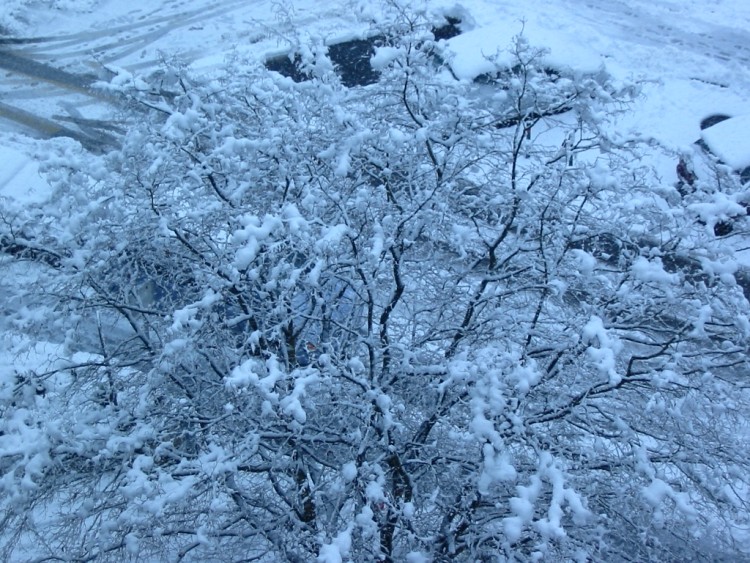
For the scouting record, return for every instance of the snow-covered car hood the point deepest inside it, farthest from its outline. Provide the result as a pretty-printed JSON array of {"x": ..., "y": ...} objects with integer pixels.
[{"x": 729, "y": 141}]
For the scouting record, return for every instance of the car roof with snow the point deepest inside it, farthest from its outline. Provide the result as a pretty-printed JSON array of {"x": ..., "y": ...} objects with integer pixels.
[
  {"x": 477, "y": 52},
  {"x": 728, "y": 141}
]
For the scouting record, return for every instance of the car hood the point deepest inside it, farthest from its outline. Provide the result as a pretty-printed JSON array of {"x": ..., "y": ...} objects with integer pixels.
[{"x": 728, "y": 140}]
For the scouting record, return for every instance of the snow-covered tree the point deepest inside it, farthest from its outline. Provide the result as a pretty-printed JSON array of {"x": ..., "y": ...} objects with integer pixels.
[{"x": 423, "y": 320}]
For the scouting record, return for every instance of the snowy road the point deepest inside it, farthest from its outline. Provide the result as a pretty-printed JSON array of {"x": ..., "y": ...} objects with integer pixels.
[
  {"x": 49, "y": 81},
  {"x": 149, "y": 32},
  {"x": 42, "y": 71},
  {"x": 707, "y": 43},
  {"x": 694, "y": 57},
  {"x": 110, "y": 44},
  {"x": 27, "y": 66},
  {"x": 687, "y": 40}
]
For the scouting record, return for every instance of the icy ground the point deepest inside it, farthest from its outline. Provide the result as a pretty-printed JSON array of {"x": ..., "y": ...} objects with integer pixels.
[{"x": 694, "y": 55}]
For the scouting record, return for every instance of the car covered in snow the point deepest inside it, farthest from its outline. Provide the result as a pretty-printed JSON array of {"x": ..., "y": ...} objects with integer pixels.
[
  {"x": 725, "y": 141},
  {"x": 721, "y": 158}
]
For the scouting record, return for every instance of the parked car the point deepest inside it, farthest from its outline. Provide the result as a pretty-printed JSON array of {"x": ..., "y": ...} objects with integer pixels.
[
  {"x": 352, "y": 58},
  {"x": 725, "y": 141}
]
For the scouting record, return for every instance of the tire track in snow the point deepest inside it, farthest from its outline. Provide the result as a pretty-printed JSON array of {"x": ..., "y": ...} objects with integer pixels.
[
  {"x": 117, "y": 42},
  {"x": 113, "y": 44},
  {"x": 677, "y": 26}
]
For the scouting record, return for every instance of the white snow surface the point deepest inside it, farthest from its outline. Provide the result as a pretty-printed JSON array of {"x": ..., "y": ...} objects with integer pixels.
[
  {"x": 694, "y": 56},
  {"x": 730, "y": 141},
  {"x": 476, "y": 52},
  {"x": 20, "y": 179}
]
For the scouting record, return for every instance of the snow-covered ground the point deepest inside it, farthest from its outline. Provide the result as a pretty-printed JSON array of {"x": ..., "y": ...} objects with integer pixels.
[{"x": 694, "y": 56}]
